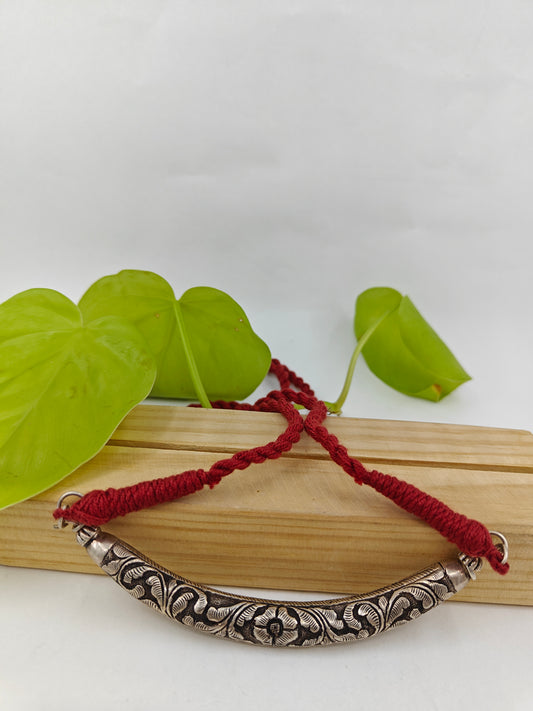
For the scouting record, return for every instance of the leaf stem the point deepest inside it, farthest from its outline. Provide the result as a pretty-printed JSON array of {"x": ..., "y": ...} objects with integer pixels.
[
  {"x": 191, "y": 362},
  {"x": 335, "y": 407}
]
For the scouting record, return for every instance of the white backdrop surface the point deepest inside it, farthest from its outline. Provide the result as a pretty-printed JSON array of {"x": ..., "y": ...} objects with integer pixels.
[{"x": 293, "y": 154}]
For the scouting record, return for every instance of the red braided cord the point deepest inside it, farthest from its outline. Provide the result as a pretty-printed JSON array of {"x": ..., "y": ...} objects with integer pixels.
[
  {"x": 470, "y": 536},
  {"x": 98, "y": 507}
]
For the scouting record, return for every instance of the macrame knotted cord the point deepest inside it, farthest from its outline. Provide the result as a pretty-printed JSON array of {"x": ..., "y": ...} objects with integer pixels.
[{"x": 470, "y": 536}]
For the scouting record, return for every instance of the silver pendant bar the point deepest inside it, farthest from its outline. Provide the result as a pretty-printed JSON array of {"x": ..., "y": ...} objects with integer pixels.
[{"x": 271, "y": 622}]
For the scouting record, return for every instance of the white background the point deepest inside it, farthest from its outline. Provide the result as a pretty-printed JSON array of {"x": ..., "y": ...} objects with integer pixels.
[{"x": 292, "y": 153}]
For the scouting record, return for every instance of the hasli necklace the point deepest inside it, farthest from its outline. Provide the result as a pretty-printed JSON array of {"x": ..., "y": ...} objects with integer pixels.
[{"x": 271, "y": 622}]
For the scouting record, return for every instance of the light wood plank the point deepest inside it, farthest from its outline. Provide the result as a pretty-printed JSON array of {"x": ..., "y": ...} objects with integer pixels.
[
  {"x": 196, "y": 429},
  {"x": 299, "y": 522}
]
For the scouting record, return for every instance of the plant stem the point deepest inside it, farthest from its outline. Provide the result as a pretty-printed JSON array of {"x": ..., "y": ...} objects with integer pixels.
[
  {"x": 191, "y": 362},
  {"x": 335, "y": 407}
]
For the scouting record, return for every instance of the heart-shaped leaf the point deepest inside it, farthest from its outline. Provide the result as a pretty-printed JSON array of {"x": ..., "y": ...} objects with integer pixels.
[
  {"x": 402, "y": 349},
  {"x": 203, "y": 343},
  {"x": 65, "y": 385}
]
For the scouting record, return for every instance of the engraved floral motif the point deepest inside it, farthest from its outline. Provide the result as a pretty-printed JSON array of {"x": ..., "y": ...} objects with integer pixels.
[
  {"x": 270, "y": 623},
  {"x": 275, "y": 626}
]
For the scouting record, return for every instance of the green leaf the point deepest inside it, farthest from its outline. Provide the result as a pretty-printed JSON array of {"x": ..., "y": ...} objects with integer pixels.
[
  {"x": 65, "y": 385},
  {"x": 203, "y": 343},
  {"x": 403, "y": 350}
]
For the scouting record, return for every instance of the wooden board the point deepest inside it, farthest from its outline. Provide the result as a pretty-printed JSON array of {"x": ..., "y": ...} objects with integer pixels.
[{"x": 298, "y": 523}]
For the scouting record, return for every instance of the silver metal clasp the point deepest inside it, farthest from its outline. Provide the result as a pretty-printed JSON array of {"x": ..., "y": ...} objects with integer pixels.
[
  {"x": 502, "y": 545},
  {"x": 473, "y": 565},
  {"x": 61, "y": 523}
]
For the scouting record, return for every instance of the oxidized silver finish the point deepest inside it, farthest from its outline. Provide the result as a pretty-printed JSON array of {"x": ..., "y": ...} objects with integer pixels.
[
  {"x": 471, "y": 565},
  {"x": 271, "y": 622}
]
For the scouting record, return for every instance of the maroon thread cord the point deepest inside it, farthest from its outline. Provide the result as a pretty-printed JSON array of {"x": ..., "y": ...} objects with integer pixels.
[{"x": 470, "y": 536}]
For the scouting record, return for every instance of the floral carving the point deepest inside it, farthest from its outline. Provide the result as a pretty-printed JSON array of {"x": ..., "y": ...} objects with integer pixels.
[{"x": 269, "y": 623}]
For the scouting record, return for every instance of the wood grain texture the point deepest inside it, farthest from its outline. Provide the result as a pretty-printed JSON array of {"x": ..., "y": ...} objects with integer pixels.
[{"x": 300, "y": 522}]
